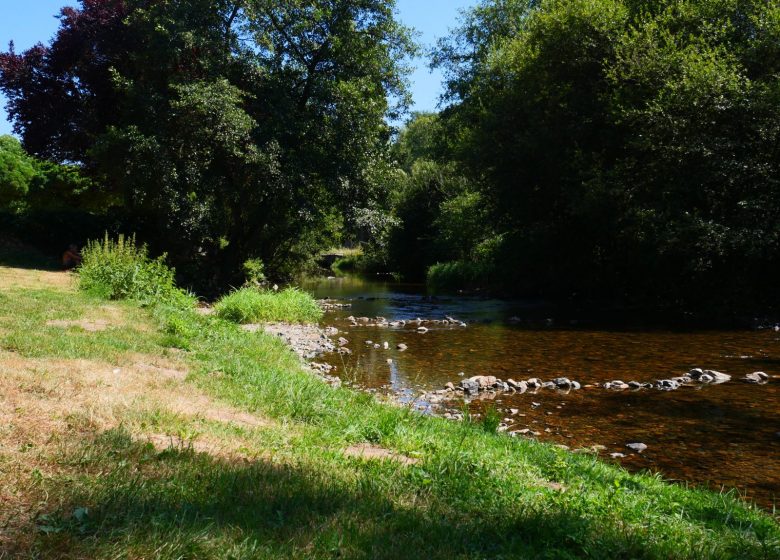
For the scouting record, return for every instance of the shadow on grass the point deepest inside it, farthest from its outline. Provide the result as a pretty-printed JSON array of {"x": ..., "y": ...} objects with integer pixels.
[
  {"x": 17, "y": 256},
  {"x": 180, "y": 504}
]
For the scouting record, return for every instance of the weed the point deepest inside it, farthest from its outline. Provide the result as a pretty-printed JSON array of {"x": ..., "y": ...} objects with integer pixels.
[{"x": 123, "y": 270}]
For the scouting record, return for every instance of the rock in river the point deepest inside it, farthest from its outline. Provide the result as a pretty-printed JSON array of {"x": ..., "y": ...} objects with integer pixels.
[
  {"x": 469, "y": 386},
  {"x": 708, "y": 376},
  {"x": 617, "y": 385},
  {"x": 757, "y": 377},
  {"x": 519, "y": 386},
  {"x": 667, "y": 384},
  {"x": 485, "y": 381},
  {"x": 562, "y": 382},
  {"x": 638, "y": 447}
]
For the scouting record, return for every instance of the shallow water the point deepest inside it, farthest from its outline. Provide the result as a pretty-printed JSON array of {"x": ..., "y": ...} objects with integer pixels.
[{"x": 725, "y": 436}]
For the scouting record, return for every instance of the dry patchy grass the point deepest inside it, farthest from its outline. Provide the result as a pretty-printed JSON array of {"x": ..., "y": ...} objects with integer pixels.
[
  {"x": 14, "y": 278},
  {"x": 49, "y": 404}
]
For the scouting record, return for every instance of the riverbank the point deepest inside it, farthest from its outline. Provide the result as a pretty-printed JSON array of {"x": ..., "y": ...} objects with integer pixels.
[{"x": 161, "y": 432}]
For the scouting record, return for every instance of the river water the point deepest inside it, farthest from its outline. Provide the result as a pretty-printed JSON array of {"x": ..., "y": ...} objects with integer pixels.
[{"x": 725, "y": 436}]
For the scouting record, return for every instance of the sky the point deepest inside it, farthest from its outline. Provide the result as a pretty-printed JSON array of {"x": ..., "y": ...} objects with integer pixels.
[{"x": 28, "y": 22}]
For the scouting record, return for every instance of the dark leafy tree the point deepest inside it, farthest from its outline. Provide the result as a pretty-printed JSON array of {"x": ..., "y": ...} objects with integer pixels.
[
  {"x": 626, "y": 149},
  {"x": 241, "y": 127}
]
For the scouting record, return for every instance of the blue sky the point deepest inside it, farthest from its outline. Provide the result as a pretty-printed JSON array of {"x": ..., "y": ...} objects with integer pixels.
[{"x": 27, "y": 22}]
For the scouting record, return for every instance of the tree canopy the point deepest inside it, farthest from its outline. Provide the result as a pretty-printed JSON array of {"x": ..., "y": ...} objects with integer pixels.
[
  {"x": 624, "y": 148},
  {"x": 240, "y": 126}
]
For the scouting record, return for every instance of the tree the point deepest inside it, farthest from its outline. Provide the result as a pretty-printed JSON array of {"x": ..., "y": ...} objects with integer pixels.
[
  {"x": 240, "y": 126},
  {"x": 17, "y": 171},
  {"x": 625, "y": 148}
]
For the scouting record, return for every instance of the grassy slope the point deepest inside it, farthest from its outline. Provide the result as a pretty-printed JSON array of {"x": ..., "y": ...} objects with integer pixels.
[{"x": 242, "y": 456}]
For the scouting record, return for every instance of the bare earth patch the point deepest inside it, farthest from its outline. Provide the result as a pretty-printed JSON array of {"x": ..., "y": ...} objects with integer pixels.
[
  {"x": 369, "y": 451},
  {"x": 87, "y": 325},
  {"x": 201, "y": 444}
]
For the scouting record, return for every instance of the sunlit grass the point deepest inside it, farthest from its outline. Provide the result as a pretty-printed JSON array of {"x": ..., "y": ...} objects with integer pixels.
[
  {"x": 286, "y": 489},
  {"x": 251, "y": 305}
]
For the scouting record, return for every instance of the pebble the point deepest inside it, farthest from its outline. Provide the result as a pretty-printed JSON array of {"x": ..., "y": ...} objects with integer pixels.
[
  {"x": 638, "y": 447},
  {"x": 757, "y": 377}
]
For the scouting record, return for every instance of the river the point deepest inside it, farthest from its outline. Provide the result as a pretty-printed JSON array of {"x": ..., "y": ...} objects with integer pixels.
[{"x": 725, "y": 436}]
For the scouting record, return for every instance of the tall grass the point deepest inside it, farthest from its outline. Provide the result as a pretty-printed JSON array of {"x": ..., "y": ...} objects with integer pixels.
[
  {"x": 122, "y": 269},
  {"x": 252, "y": 305}
]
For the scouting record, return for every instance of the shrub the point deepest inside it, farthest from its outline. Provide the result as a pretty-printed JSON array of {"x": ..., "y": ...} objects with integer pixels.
[
  {"x": 458, "y": 274},
  {"x": 123, "y": 270},
  {"x": 252, "y": 305},
  {"x": 254, "y": 272}
]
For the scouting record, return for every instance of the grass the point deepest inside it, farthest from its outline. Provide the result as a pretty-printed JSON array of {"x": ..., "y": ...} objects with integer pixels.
[
  {"x": 252, "y": 305},
  {"x": 242, "y": 455}
]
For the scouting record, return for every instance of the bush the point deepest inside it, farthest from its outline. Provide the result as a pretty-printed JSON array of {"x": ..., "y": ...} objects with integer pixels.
[
  {"x": 458, "y": 275},
  {"x": 254, "y": 272},
  {"x": 122, "y": 270},
  {"x": 252, "y": 305}
]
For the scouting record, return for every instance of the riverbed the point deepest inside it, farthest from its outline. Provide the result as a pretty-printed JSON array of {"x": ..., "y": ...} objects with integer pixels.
[{"x": 725, "y": 436}]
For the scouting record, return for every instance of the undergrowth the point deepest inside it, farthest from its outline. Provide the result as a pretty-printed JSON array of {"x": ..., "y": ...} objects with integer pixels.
[
  {"x": 456, "y": 275},
  {"x": 121, "y": 269},
  {"x": 254, "y": 305}
]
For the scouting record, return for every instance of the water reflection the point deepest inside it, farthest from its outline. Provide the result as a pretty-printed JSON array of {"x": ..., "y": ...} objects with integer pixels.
[{"x": 724, "y": 435}]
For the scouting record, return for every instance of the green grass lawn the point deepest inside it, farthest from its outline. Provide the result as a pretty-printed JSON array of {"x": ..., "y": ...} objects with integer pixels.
[{"x": 256, "y": 467}]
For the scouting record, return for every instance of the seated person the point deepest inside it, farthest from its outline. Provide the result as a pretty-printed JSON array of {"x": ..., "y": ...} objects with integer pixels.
[{"x": 71, "y": 258}]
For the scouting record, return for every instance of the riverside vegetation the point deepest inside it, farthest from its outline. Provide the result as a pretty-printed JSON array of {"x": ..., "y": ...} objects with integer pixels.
[
  {"x": 143, "y": 428},
  {"x": 601, "y": 153}
]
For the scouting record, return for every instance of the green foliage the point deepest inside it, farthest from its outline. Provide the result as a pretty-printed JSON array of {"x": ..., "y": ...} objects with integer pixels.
[
  {"x": 226, "y": 130},
  {"x": 254, "y": 272},
  {"x": 29, "y": 185},
  {"x": 17, "y": 171},
  {"x": 455, "y": 275},
  {"x": 423, "y": 137},
  {"x": 123, "y": 270},
  {"x": 440, "y": 216},
  {"x": 620, "y": 149},
  {"x": 251, "y": 305}
]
